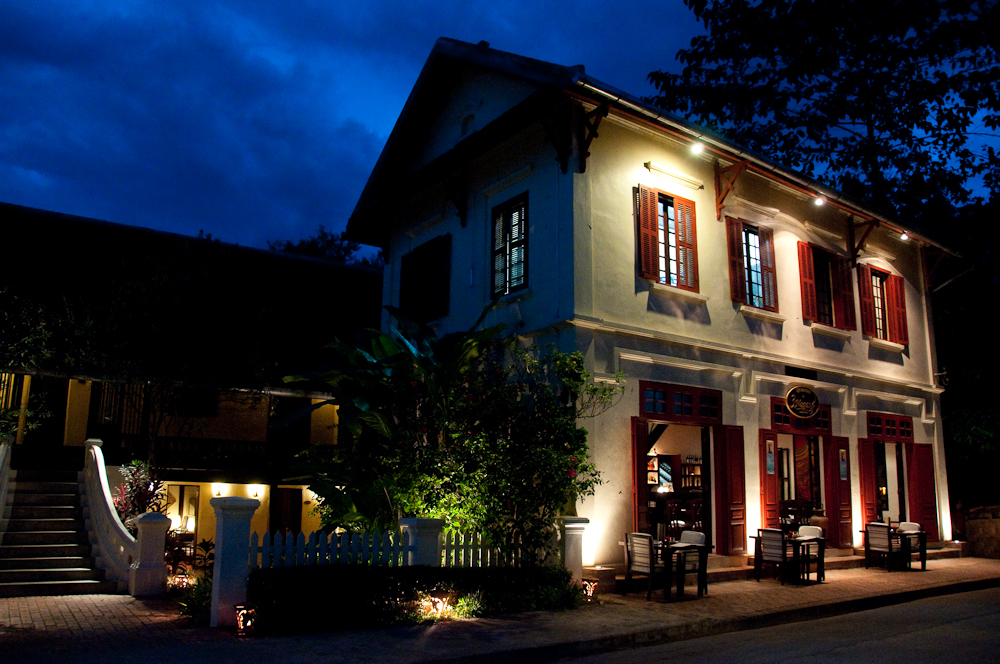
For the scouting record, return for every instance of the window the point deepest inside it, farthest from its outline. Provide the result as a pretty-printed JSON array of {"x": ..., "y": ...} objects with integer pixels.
[
  {"x": 425, "y": 280},
  {"x": 890, "y": 428},
  {"x": 680, "y": 403},
  {"x": 668, "y": 247},
  {"x": 510, "y": 246},
  {"x": 827, "y": 288},
  {"x": 752, "y": 278},
  {"x": 782, "y": 420},
  {"x": 883, "y": 305}
]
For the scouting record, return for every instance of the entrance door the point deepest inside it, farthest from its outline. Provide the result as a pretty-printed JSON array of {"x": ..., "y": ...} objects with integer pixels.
[
  {"x": 769, "y": 479},
  {"x": 730, "y": 490},
  {"x": 838, "y": 492},
  {"x": 923, "y": 497}
]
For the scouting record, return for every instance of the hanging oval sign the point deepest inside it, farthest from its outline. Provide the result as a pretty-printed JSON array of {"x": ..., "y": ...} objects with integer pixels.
[{"x": 802, "y": 402}]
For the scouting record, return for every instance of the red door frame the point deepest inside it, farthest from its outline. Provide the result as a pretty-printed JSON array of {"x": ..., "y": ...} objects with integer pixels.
[
  {"x": 769, "y": 507},
  {"x": 838, "y": 492},
  {"x": 921, "y": 490}
]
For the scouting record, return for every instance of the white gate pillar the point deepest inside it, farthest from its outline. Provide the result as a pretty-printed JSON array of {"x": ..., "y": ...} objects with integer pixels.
[
  {"x": 425, "y": 541},
  {"x": 147, "y": 576},
  {"x": 232, "y": 556},
  {"x": 573, "y": 528}
]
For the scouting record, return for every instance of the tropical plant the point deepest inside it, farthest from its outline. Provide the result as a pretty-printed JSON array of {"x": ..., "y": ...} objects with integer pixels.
[{"x": 140, "y": 492}]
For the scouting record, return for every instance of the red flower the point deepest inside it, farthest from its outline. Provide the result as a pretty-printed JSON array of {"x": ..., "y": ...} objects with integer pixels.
[
  {"x": 574, "y": 459},
  {"x": 413, "y": 383},
  {"x": 571, "y": 472}
]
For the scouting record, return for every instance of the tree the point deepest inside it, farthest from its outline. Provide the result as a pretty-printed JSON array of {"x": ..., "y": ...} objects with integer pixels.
[
  {"x": 890, "y": 102},
  {"x": 474, "y": 428},
  {"x": 328, "y": 246}
]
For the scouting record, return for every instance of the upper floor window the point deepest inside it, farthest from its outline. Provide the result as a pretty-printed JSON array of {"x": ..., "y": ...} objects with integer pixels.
[
  {"x": 509, "y": 260},
  {"x": 668, "y": 246},
  {"x": 680, "y": 403},
  {"x": 425, "y": 280},
  {"x": 752, "y": 277},
  {"x": 883, "y": 305},
  {"x": 827, "y": 287},
  {"x": 783, "y": 420},
  {"x": 890, "y": 428}
]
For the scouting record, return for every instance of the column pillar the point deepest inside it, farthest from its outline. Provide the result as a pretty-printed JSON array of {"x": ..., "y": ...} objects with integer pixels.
[
  {"x": 425, "y": 541},
  {"x": 232, "y": 556},
  {"x": 573, "y": 528},
  {"x": 147, "y": 576}
]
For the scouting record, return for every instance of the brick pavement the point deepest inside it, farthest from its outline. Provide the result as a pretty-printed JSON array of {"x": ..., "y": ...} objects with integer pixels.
[{"x": 104, "y": 628}]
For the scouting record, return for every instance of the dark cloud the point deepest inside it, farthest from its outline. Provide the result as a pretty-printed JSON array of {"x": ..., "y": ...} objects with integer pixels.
[{"x": 253, "y": 121}]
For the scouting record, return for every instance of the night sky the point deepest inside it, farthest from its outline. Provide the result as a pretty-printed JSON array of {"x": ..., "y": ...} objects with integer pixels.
[{"x": 256, "y": 120}]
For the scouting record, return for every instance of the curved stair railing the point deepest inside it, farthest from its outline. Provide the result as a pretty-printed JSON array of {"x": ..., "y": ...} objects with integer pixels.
[{"x": 115, "y": 548}]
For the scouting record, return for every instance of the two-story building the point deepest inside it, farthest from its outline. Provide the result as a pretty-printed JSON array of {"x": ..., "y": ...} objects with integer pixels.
[{"x": 727, "y": 288}]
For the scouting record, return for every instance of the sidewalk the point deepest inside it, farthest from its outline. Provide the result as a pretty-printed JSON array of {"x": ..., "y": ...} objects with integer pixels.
[{"x": 102, "y": 628}]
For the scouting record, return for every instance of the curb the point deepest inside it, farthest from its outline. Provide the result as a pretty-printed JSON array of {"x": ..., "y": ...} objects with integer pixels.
[{"x": 710, "y": 627}]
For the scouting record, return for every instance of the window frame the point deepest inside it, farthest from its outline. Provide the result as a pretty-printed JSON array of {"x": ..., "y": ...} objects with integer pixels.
[
  {"x": 783, "y": 421},
  {"x": 647, "y": 201},
  {"x": 840, "y": 287},
  {"x": 736, "y": 230},
  {"x": 502, "y": 215},
  {"x": 699, "y": 398},
  {"x": 889, "y": 427},
  {"x": 893, "y": 305}
]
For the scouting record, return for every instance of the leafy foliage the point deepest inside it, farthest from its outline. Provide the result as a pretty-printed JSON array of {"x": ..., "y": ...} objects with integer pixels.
[
  {"x": 879, "y": 100},
  {"x": 328, "y": 246},
  {"x": 140, "y": 492},
  {"x": 196, "y": 598},
  {"x": 473, "y": 428}
]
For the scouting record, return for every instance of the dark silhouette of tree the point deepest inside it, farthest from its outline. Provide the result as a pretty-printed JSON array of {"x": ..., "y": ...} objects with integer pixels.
[
  {"x": 893, "y": 102},
  {"x": 328, "y": 246}
]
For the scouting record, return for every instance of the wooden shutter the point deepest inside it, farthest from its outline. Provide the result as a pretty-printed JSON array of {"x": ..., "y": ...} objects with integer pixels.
[
  {"x": 640, "y": 490},
  {"x": 769, "y": 480},
  {"x": 807, "y": 280},
  {"x": 838, "y": 493},
  {"x": 843, "y": 294},
  {"x": 895, "y": 289},
  {"x": 735, "y": 504},
  {"x": 922, "y": 494},
  {"x": 866, "y": 468},
  {"x": 737, "y": 280},
  {"x": 768, "y": 274},
  {"x": 687, "y": 245},
  {"x": 649, "y": 254},
  {"x": 867, "y": 300}
]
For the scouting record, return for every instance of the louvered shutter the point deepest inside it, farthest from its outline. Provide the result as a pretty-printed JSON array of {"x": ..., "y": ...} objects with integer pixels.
[
  {"x": 843, "y": 294},
  {"x": 687, "y": 244},
  {"x": 518, "y": 260},
  {"x": 768, "y": 274},
  {"x": 896, "y": 295},
  {"x": 867, "y": 301},
  {"x": 737, "y": 280},
  {"x": 807, "y": 280},
  {"x": 499, "y": 253},
  {"x": 649, "y": 262}
]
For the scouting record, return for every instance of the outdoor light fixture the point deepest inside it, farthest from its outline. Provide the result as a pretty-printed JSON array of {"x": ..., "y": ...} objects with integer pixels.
[
  {"x": 217, "y": 490},
  {"x": 697, "y": 148},
  {"x": 255, "y": 490},
  {"x": 904, "y": 237},
  {"x": 683, "y": 178},
  {"x": 818, "y": 201},
  {"x": 589, "y": 589},
  {"x": 246, "y": 619}
]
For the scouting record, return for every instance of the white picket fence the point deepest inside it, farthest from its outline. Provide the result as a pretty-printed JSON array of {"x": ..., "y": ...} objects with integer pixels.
[
  {"x": 381, "y": 549},
  {"x": 467, "y": 550}
]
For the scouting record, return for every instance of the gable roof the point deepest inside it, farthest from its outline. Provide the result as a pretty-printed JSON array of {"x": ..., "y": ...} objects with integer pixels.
[{"x": 369, "y": 223}]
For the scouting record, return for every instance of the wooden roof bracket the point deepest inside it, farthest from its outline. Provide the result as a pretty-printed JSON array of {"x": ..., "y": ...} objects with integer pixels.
[
  {"x": 855, "y": 247},
  {"x": 557, "y": 130},
  {"x": 725, "y": 182},
  {"x": 588, "y": 131}
]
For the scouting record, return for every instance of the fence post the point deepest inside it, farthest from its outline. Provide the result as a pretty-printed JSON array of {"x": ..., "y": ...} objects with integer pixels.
[
  {"x": 147, "y": 576},
  {"x": 230, "y": 571},
  {"x": 425, "y": 541},
  {"x": 572, "y": 528}
]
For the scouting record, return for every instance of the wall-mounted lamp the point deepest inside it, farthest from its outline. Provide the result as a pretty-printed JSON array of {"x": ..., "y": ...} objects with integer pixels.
[
  {"x": 904, "y": 237},
  {"x": 697, "y": 148},
  {"x": 217, "y": 489},
  {"x": 818, "y": 201},
  {"x": 683, "y": 178},
  {"x": 255, "y": 490}
]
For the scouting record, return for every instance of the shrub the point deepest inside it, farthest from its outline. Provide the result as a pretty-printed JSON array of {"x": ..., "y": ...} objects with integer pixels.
[{"x": 140, "y": 492}]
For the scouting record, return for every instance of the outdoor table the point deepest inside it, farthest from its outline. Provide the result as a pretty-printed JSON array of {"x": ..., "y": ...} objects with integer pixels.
[
  {"x": 905, "y": 538},
  {"x": 800, "y": 543},
  {"x": 680, "y": 550}
]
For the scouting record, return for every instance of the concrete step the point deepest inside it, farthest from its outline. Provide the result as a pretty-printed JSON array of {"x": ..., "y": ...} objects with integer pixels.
[
  {"x": 41, "y": 562},
  {"x": 20, "y": 551},
  {"x": 57, "y": 574},
  {"x": 46, "y": 476},
  {"x": 46, "y": 512},
  {"x": 49, "y": 588},
  {"x": 53, "y": 499},
  {"x": 45, "y": 487},
  {"x": 53, "y": 537},
  {"x": 43, "y": 525}
]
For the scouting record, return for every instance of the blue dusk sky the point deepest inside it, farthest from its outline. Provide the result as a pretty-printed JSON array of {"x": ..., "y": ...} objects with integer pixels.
[{"x": 257, "y": 120}]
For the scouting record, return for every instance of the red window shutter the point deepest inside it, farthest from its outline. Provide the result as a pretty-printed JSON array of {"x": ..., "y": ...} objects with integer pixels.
[
  {"x": 807, "y": 280},
  {"x": 687, "y": 244},
  {"x": 737, "y": 280},
  {"x": 843, "y": 294},
  {"x": 649, "y": 255},
  {"x": 768, "y": 274},
  {"x": 867, "y": 300},
  {"x": 866, "y": 468},
  {"x": 896, "y": 305}
]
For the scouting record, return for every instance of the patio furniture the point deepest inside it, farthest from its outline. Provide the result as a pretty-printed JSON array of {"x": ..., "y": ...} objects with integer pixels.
[
  {"x": 810, "y": 548},
  {"x": 639, "y": 559},
  {"x": 911, "y": 539},
  {"x": 673, "y": 515},
  {"x": 694, "y": 512},
  {"x": 879, "y": 541},
  {"x": 771, "y": 549},
  {"x": 690, "y": 554}
]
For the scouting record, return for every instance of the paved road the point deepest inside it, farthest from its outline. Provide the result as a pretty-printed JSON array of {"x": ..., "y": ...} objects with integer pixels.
[{"x": 961, "y": 628}]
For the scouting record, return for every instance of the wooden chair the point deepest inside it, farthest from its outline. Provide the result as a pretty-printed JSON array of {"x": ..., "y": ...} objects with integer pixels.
[
  {"x": 694, "y": 511},
  {"x": 878, "y": 540},
  {"x": 909, "y": 530},
  {"x": 809, "y": 553},
  {"x": 690, "y": 561},
  {"x": 674, "y": 518},
  {"x": 640, "y": 559},
  {"x": 772, "y": 550}
]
